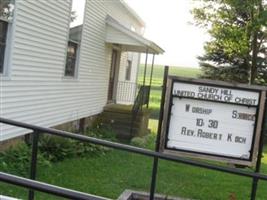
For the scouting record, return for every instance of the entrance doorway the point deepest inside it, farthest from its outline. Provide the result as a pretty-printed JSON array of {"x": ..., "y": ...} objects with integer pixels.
[{"x": 113, "y": 77}]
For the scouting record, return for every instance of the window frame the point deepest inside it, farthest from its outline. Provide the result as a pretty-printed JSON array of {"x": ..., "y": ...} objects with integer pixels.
[
  {"x": 77, "y": 57},
  {"x": 128, "y": 70},
  {"x": 8, "y": 47},
  {"x": 79, "y": 43},
  {"x": 3, "y": 44},
  {"x": 9, "y": 42}
]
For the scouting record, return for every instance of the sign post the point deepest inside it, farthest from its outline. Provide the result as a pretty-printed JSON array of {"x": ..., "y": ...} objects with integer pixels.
[
  {"x": 212, "y": 120},
  {"x": 157, "y": 146}
]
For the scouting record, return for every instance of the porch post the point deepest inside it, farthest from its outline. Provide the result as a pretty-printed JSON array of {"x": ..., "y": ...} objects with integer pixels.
[
  {"x": 151, "y": 75},
  {"x": 144, "y": 81}
]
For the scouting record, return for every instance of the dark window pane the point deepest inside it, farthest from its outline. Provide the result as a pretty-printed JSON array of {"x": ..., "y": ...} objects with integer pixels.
[
  {"x": 6, "y": 8},
  {"x": 71, "y": 59},
  {"x": 128, "y": 70},
  {"x": 3, "y": 34}
]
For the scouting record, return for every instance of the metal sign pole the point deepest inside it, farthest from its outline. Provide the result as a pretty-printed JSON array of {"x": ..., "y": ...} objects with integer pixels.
[
  {"x": 258, "y": 164},
  {"x": 155, "y": 163},
  {"x": 35, "y": 138}
]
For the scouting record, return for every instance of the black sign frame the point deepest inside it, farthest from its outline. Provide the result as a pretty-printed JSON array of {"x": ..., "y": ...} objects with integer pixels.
[{"x": 212, "y": 156}]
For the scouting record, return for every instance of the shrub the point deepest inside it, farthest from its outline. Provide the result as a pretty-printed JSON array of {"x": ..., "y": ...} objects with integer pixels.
[
  {"x": 138, "y": 142},
  {"x": 101, "y": 131},
  {"x": 17, "y": 160},
  {"x": 147, "y": 141},
  {"x": 55, "y": 148}
]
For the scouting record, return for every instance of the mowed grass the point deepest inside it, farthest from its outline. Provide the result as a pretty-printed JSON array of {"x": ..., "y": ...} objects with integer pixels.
[{"x": 109, "y": 175}]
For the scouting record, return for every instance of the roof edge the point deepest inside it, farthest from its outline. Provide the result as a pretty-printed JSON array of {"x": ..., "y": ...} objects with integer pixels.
[
  {"x": 133, "y": 13},
  {"x": 149, "y": 44}
]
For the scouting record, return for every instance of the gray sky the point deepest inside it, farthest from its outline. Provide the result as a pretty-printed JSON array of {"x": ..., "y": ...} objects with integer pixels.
[{"x": 167, "y": 24}]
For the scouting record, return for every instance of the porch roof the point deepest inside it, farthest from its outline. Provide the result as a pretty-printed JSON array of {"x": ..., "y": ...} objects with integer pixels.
[{"x": 129, "y": 40}]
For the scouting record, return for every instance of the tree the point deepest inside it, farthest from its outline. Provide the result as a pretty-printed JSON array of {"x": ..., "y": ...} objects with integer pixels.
[
  {"x": 237, "y": 51},
  {"x": 6, "y": 8}
]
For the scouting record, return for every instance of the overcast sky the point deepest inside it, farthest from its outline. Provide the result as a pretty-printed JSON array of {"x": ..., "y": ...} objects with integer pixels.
[{"x": 167, "y": 24}]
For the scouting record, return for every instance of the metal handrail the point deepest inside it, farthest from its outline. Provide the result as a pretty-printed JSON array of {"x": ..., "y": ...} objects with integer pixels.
[
  {"x": 47, "y": 188},
  {"x": 145, "y": 152},
  {"x": 141, "y": 99}
]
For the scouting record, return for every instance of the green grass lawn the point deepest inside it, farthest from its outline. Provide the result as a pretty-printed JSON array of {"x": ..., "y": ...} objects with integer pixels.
[
  {"x": 110, "y": 174},
  {"x": 159, "y": 71}
]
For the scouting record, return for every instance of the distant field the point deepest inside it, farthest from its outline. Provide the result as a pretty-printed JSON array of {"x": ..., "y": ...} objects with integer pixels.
[
  {"x": 159, "y": 71},
  {"x": 157, "y": 82}
]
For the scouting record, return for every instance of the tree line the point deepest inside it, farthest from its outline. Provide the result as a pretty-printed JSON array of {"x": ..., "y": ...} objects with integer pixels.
[{"x": 237, "y": 51}]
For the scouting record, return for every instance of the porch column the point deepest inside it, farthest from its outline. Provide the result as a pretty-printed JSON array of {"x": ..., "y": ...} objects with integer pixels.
[
  {"x": 144, "y": 81},
  {"x": 151, "y": 75}
]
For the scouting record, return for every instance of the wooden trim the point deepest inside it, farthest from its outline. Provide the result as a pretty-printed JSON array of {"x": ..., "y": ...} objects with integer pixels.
[
  {"x": 259, "y": 127},
  {"x": 219, "y": 83},
  {"x": 257, "y": 133},
  {"x": 165, "y": 115}
]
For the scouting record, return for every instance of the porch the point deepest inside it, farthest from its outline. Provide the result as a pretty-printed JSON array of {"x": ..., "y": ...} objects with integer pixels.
[
  {"x": 124, "y": 122},
  {"x": 127, "y": 97},
  {"x": 123, "y": 84}
]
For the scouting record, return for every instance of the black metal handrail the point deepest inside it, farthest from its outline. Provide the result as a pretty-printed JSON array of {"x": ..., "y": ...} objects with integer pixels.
[
  {"x": 47, "y": 188},
  {"x": 51, "y": 189},
  {"x": 141, "y": 99}
]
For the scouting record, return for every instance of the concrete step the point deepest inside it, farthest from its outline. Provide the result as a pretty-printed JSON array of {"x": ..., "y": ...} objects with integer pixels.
[
  {"x": 125, "y": 132},
  {"x": 114, "y": 122},
  {"x": 120, "y": 116}
]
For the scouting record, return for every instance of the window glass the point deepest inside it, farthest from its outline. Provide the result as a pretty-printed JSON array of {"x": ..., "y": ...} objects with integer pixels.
[
  {"x": 75, "y": 34},
  {"x": 3, "y": 35},
  {"x": 128, "y": 70},
  {"x": 6, "y": 9},
  {"x": 6, "y": 13},
  {"x": 71, "y": 59}
]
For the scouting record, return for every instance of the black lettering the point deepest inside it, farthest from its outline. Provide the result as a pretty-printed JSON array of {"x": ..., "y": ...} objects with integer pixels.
[
  {"x": 187, "y": 107},
  {"x": 234, "y": 115},
  {"x": 229, "y": 137},
  {"x": 241, "y": 140},
  {"x": 213, "y": 124},
  {"x": 200, "y": 110},
  {"x": 183, "y": 131},
  {"x": 243, "y": 116},
  {"x": 220, "y": 136},
  {"x": 200, "y": 122}
]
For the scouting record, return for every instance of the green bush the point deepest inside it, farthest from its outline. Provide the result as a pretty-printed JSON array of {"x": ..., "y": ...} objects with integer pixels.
[
  {"x": 101, "y": 131},
  {"x": 16, "y": 160},
  {"x": 138, "y": 142},
  {"x": 55, "y": 148},
  {"x": 147, "y": 141}
]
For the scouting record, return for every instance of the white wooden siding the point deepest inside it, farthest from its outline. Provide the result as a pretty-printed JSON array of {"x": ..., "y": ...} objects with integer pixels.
[{"x": 36, "y": 91}]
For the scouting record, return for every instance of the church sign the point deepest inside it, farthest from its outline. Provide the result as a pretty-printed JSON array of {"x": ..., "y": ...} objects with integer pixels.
[{"x": 212, "y": 120}]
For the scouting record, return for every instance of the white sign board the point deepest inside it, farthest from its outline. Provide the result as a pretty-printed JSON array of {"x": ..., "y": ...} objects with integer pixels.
[{"x": 212, "y": 120}]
